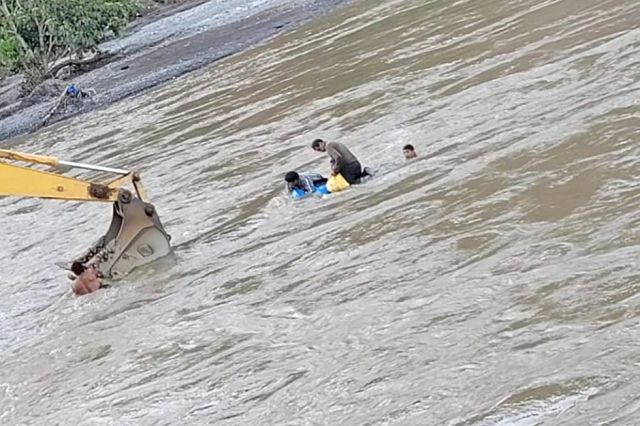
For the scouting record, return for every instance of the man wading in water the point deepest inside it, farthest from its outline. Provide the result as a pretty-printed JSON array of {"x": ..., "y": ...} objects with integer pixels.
[
  {"x": 87, "y": 280},
  {"x": 409, "y": 152},
  {"x": 342, "y": 160}
]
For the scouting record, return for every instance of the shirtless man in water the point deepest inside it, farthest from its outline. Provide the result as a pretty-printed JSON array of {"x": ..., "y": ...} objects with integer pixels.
[{"x": 87, "y": 280}]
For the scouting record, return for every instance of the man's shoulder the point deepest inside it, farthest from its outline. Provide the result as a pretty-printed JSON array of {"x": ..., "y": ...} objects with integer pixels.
[
  {"x": 338, "y": 146},
  {"x": 308, "y": 174}
]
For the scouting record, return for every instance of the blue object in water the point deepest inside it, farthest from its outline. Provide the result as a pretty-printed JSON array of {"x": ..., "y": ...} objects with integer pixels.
[
  {"x": 322, "y": 189},
  {"x": 298, "y": 193}
]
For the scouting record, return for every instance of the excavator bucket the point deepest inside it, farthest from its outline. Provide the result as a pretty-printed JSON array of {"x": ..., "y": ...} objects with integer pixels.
[{"x": 135, "y": 238}]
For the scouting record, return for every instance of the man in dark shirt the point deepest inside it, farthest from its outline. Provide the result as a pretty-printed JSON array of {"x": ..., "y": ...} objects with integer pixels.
[{"x": 342, "y": 160}]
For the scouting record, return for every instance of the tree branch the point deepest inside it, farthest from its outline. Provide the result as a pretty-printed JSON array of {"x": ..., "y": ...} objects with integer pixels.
[
  {"x": 55, "y": 69},
  {"x": 37, "y": 19}
]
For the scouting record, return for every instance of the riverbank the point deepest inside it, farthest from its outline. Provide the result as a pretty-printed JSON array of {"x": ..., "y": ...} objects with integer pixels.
[{"x": 162, "y": 45}]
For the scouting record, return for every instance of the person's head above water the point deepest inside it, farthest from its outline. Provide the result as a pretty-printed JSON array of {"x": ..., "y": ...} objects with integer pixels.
[
  {"x": 319, "y": 145},
  {"x": 292, "y": 177},
  {"x": 77, "y": 268},
  {"x": 409, "y": 152}
]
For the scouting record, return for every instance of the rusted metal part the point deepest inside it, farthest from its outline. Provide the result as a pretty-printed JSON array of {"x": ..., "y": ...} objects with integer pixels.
[{"x": 100, "y": 191}]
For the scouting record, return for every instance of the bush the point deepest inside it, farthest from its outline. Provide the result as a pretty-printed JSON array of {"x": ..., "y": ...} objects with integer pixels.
[
  {"x": 35, "y": 34},
  {"x": 9, "y": 52}
]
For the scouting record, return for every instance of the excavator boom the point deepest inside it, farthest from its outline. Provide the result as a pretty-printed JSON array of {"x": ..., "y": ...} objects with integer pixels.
[
  {"x": 27, "y": 182},
  {"x": 136, "y": 235}
]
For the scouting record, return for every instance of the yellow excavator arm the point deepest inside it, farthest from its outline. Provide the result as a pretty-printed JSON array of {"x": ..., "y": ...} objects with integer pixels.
[
  {"x": 27, "y": 182},
  {"x": 135, "y": 236}
]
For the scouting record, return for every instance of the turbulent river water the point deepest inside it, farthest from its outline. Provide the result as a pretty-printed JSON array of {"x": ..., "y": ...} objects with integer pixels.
[{"x": 492, "y": 281}]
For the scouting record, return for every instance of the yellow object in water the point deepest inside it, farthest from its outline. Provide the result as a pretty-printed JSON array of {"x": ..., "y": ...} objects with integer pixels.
[{"x": 337, "y": 183}]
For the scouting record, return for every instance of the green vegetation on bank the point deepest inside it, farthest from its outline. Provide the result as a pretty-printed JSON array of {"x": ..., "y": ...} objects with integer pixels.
[{"x": 38, "y": 37}]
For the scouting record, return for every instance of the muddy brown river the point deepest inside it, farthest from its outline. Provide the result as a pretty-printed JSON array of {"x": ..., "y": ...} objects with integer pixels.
[{"x": 493, "y": 281}]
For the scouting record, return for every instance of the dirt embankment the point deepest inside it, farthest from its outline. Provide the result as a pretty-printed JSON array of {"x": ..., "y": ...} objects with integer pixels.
[{"x": 165, "y": 42}]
